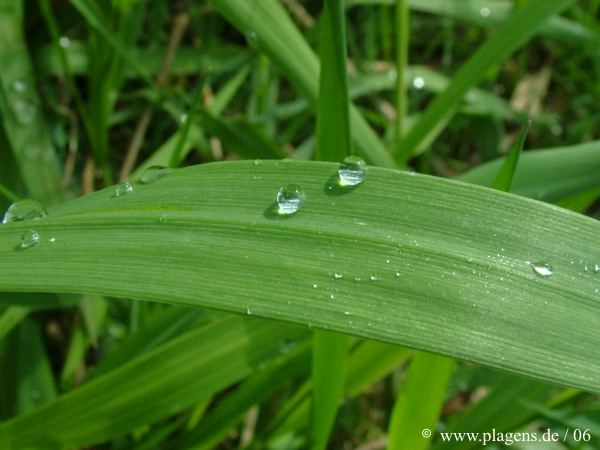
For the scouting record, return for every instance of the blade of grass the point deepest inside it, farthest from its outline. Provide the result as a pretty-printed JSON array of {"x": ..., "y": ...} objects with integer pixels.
[
  {"x": 547, "y": 174},
  {"x": 10, "y": 318},
  {"x": 270, "y": 29},
  {"x": 491, "y": 13},
  {"x": 450, "y": 243},
  {"x": 402, "y": 36},
  {"x": 175, "y": 375},
  {"x": 333, "y": 144},
  {"x": 517, "y": 30},
  {"x": 506, "y": 174},
  {"x": 419, "y": 402},
  {"x": 21, "y": 112}
]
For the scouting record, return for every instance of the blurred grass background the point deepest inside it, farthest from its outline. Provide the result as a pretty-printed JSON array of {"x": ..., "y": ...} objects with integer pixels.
[{"x": 93, "y": 92}]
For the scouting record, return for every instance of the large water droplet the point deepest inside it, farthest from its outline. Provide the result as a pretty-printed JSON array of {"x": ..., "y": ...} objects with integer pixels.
[
  {"x": 290, "y": 199},
  {"x": 24, "y": 210},
  {"x": 484, "y": 11},
  {"x": 30, "y": 239},
  {"x": 123, "y": 189},
  {"x": 543, "y": 269},
  {"x": 153, "y": 174},
  {"x": 352, "y": 171}
]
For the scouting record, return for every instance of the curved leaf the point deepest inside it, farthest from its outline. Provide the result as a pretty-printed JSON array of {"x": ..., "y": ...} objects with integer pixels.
[{"x": 425, "y": 262}]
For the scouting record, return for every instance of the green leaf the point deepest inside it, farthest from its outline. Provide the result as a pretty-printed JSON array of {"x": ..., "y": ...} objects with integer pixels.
[
  {"x": 547, "y": 174},
  {"x": 269, "y": 28},
  {"x": 517, "y": 30},
  {"x": 459, "y": 281},
  {"x": 174, "y": 376},
  {"x": 420, "y": 402},
  {"x": 507, "y": 171}
]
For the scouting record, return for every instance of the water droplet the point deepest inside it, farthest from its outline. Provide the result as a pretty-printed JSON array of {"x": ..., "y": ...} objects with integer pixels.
[
  {"x": 338, "y": 275},
  {"x": 332, "y": 296},
  {"x": 64, "y": 41},
  {"x": 290, "y": 199},
  {"x": 19, "y": 86},
  {"x": 30, "y": 239},
  {"x": 398, "y": 274},
  {"x": 484, "y": 11},
  {"x": 25, "y": 112},
  {"x": 352, "y": 171},
  {"x": 315, "y": 285},
  {"x": 123, "y": 189},
  {"x": 153, "y": 174},
  {"x": 543, "y": 269},
  {"x": 347, "y": 313},
  {"x": 374, "y": 278},
  {"x": 52, "y": 240},
  {"x": 418, "y": 83},
  {"x": 596, "y": 268},
  {"x": 249, "y": 311},
  {"x": 258, "y": 162},
  {"x": 24, "y": 210}
]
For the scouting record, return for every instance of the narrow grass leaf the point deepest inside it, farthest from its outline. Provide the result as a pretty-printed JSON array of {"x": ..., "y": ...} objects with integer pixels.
[
  {"x": 551, "y": 174},
  {"x": 420, "y": 401},
  {"x": 517, "y": 30},
  {"x": 270, "y": 29},
  {"x": 506, "y": 174}
]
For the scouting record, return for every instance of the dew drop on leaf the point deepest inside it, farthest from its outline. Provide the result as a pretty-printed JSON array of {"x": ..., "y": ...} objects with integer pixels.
[
  {"x": 123, "y": 189},
  {"x": 24, "y": 210},
  {"x": 542, "y": 269},
  {"x": 153, "y": 174},
  {"x": 352, "y": 171},
  {"x": 290, "y": 199},
  {"x": 30, "y": 239}
]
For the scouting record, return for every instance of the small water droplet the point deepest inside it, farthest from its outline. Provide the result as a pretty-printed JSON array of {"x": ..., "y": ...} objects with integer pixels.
[
  {"x": 25, "y": 112},
  {"x": 374, "y": 278},
  {"x": 347, "y": 313},
  {"x": 290, "y": 199},
  {"x": 249, "y": 311},
  {"x": 315, "y": 285},
  {"x": 338, "y": 275},
  {"x": 352, "y": 171},
  {"x": 30, "y": 239},
  {"x": 543, "y": 269},
  {"x": 52, "y": 240},
  {"x": 64, "y": 41},
  {"x": 332, "y": 296},
  {"x": 258, "y": 162},
  {"x": 484, "y": 11},
  {"x": 153, "y": 174},
  {"x": 19, "y": 86},
  {"x": 397, "y": 274},
  {"x": 26, "y": 209},
  {"x": 418, "y": 83},
  {"x": 123, "y": 189},
  {"x": 596, "y": 268}
]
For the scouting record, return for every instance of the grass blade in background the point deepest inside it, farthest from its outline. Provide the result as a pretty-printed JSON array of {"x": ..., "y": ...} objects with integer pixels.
[
  {"x": 520, "y": 27},
  {"x": 269, "y": 28},
  {"x": 173, "y": 376},
  {"x": 21, "y": 111},
  {"x": 507, "y": 171},
  {"x": 402, "y": 37},
  {"x": 419, "y": 403},
  {"x": 448, "y": 244},
  {"x": 333, "y": 144},
  {"x": 551, "y": 174}
]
